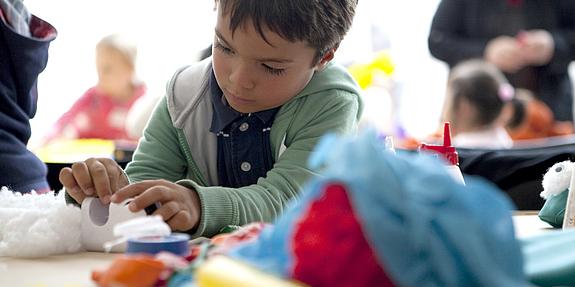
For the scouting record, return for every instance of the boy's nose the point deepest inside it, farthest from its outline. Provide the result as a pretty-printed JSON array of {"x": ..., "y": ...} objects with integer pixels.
[{"x": 241, "y": 77}]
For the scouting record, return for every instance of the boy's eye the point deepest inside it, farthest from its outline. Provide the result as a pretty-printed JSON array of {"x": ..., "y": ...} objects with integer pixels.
[
  {"x": 273, "y": 71},
  {"x": 223, "y": 48}
]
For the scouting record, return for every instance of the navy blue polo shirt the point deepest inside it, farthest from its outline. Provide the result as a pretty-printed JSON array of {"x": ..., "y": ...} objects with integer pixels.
[{"x": 244, "y": 150}]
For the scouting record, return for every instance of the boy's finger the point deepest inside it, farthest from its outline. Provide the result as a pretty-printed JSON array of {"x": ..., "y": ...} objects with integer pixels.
[
  {"x": 149, "y": 197},
  {"x": 181, "y": 221},
  {"x": 167, "y": 211},
  {"x": 77, "y": 194},
  {"x": 67, "y": 179},
  {"x": 100, "y": 180},
  {"x": 132, "y": 190},
  {"x": 83, "y": 178},
  {"x": 117, "y": 178}
]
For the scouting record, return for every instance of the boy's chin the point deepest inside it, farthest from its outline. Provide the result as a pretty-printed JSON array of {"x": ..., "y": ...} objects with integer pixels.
[
  {"x": 247, "y": 109},
  {"x": 244, "y": 109}
]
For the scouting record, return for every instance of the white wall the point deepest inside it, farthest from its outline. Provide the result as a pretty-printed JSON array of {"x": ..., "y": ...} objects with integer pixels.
[{"x": 420, "y": 79}]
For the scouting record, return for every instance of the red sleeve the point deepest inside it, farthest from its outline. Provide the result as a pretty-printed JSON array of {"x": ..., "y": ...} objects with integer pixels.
[{"x": 68, "y": 118}]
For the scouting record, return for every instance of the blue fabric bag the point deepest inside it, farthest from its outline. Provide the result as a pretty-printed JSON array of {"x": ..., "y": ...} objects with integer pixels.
[{"x": 424, "y": 228}]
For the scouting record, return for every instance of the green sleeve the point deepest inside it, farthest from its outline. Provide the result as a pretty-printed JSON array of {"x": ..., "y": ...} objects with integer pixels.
[
  {"x": 265, "y": 200},
  {"x": 159, "y": 154}
]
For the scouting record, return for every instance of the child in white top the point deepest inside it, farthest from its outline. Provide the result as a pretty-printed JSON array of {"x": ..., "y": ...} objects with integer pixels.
[{"x": 478, "y": 105}]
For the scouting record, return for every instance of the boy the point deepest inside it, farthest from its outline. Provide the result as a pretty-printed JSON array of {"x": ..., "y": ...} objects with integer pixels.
[{"x": 235, "y": 131}]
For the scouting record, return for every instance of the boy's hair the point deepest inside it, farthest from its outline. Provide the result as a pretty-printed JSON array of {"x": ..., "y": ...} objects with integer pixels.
[
  {"x": 121, "y": 44},
  {"x": 482, "y": 85},
  {"x": 320, "y": 23}
]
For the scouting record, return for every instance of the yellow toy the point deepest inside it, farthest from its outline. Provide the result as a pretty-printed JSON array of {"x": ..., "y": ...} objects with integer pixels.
[{"x": 366, "y": 73}]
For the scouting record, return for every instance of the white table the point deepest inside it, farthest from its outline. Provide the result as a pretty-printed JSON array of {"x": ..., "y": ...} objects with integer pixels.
[
  {"x": 72, "y": 270},
  {"x": 75, "y": 270},
  {"x": 527, "y": 223}
]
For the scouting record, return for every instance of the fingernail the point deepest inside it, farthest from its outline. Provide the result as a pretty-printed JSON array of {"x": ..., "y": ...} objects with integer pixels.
[
  {"x": 89, "y": 191},
  {"x": 106, "y": 199},
  {"x": 132, "y": 206},
  {"x": 114, "y": 198}
]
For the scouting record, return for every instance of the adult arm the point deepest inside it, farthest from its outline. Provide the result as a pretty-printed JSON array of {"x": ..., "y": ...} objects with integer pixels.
[
  {"x": 448, "y": 41},
  {"x": 563, "y": 38}
]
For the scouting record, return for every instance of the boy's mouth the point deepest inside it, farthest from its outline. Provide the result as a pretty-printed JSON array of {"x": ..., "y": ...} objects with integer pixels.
[{"x": 238, "y": 99}]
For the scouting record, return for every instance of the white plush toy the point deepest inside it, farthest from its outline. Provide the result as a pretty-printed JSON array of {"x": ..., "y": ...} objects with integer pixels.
[{"x": 557, "y": 179}]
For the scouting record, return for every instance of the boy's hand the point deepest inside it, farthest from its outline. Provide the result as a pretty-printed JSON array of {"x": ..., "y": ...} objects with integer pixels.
[
  {"x": 179, "y": 205},
  {"x": 93, "y": 177}
]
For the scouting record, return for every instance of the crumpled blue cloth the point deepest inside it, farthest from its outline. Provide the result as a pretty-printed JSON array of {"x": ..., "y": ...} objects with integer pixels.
[
  {"x": 550, "y": 258},
  {"x": 425, "y": 229}
]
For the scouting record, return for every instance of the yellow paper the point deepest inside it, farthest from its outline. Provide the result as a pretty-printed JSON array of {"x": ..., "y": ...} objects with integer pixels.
[
  {"x": 223, "y": 271},
  {"x": 69, "y": 151}
]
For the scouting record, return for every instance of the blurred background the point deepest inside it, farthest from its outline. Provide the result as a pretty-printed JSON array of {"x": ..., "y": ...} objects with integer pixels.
[
  {"x": 172, "y": 34},
  {"x": 407, "y": 99}
]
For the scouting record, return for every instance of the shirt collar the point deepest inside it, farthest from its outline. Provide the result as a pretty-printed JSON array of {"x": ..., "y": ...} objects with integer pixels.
[{"x": 225, "y": 115}]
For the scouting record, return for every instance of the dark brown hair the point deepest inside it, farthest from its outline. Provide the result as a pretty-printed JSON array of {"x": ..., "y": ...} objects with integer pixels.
[
  {"x": 320, "y": 23},
  {"x": 480, "y": 83}
]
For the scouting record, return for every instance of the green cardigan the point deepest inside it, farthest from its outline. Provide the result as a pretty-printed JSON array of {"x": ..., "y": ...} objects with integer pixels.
[{"x": 177, "y": 145}]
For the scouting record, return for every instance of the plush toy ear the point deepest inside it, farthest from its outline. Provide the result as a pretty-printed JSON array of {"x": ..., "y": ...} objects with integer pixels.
[{"x": 557, "y": 179}]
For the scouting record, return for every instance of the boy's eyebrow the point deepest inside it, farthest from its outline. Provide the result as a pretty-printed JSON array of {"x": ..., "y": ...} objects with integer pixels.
[
  {"x": 221, "y": 38},
  {"x": 275, "y": 60}
]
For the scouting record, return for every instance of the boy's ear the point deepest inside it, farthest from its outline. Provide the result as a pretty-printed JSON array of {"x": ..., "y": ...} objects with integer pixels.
[{"x": 325, "y": 59}]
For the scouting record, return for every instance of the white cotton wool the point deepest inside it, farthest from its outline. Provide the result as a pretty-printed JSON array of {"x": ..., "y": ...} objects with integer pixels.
[{"x": 35, "y": 225}]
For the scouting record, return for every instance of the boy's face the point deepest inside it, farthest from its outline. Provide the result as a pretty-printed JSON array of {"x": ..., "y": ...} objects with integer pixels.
[{"x": 254, "y": 75}]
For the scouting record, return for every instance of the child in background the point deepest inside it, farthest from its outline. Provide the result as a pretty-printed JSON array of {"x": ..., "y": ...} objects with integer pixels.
[
  {"x": 478, "y": 105},
  {"x": 101, "y": 111},
  {"x": 229, "y": 143}
]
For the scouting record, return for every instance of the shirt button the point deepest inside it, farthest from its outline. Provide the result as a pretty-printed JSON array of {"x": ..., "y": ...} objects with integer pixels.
[
  {"x": 246, "y": 166},
  {"x": 244, "y": 127}
]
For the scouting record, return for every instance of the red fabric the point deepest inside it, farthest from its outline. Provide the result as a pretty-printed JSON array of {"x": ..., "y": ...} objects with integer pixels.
[
  {"x": 330, "y": 248},
  {"x": 41, "y": 29},
  {"x": 95, "y": 115},
  {"x": 515, "y": 3}
]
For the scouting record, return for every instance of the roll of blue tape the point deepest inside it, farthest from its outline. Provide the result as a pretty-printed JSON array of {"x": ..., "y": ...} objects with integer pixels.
[{"x": 176, "y": 243}]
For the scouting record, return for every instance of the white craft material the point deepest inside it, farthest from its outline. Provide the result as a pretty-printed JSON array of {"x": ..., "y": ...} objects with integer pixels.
[
  {"x": 37, "y": 225},
  {"x": 569, "y": 217},
  {"x": 98, "y": 222}
]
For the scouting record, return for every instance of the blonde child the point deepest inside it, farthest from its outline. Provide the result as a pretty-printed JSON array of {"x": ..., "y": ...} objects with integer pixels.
[{"x": 101, "y": 111}]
